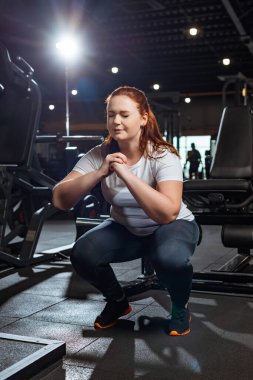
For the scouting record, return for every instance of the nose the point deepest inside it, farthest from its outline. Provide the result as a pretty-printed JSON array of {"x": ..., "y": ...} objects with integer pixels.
[{"x": 117, "y": 119}]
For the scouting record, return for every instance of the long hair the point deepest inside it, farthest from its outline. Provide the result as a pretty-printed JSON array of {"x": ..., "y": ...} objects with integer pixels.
[{"x": 150, "y": 133}]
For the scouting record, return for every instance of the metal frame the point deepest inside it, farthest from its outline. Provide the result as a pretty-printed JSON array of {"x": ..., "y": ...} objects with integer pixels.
[
  {"x": 28, "y": 246},
  {"x": 52, "y": 351}
]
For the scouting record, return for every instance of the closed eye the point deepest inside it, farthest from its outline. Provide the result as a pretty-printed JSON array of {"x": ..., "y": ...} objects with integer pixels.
[{"x": 122, "y": 114}]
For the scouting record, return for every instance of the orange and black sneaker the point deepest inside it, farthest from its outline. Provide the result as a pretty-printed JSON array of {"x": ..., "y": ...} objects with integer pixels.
[
  {"x": 179, "y": 321},
  {"x": 112, "y": 311}
]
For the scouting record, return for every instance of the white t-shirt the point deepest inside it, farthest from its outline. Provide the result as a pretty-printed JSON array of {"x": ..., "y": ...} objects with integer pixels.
[{"x": 124, "y": 208}]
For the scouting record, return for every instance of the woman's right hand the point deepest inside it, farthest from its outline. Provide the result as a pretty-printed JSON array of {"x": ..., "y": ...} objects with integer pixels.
[{"x": 117, "y": 157}]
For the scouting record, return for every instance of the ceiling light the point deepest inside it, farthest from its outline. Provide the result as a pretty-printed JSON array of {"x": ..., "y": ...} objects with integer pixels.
[
  {"x": 156, "y": 86},
  {"x": 187, "y": 100},
  {"x": 74, "y": 92},
  {"x": 68, "y": 48},
  {"x": 193, "y": 31},
  {"x": 114, "y": 70},
  {"x": 226, "y": 61},
  {"x": 51, "y": 107}
]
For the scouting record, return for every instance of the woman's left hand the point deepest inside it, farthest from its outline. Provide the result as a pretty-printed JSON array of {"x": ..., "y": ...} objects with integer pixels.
[{"x": 120, "y": 169}]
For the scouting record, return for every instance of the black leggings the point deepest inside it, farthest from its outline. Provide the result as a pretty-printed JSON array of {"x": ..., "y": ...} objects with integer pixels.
[{"x": 169, "y": 249}]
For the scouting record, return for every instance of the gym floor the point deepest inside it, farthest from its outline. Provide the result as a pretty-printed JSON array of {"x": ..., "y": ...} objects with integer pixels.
[{"x": 49, "y": 301}]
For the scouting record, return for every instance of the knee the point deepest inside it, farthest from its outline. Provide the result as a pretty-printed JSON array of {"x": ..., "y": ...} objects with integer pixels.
[
  {"x": 171, "y": 261},
  {"x": 75, "y": 253},
  {"x": 82, "y": 253}
]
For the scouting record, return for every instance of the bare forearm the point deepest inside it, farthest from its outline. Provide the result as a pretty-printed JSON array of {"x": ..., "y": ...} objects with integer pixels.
[
  {"x": 69, "y": 191},
  {"x": 156, "y": 205}
]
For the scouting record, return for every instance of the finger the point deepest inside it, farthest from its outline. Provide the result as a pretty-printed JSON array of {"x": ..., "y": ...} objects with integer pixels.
[
  {"x": 117, "y": 160},
  {"x": 121, "y": 156},
  {"x": 124, "y": 159}
]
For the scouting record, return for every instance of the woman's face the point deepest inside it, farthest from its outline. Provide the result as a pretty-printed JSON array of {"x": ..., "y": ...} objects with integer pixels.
[{"x": 124, "y": 120}]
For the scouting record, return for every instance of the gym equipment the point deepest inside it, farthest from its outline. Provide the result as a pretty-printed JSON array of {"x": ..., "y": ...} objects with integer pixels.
[
  {"x": 240, "y": 84},
  {"x": 88, "y": 207},
  {"x": 25, "y": 191},
  {"x": 60, "y": 166},
  {"x": 22, "y": 187},
  {"x": 226, "y": 199}
]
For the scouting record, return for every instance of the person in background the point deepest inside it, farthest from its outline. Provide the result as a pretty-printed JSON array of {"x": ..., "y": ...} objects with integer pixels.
[
  {"x": 208, "y": 161},
  {"x": 194, "y": 158},
  {"x": 141, "y": 177}
]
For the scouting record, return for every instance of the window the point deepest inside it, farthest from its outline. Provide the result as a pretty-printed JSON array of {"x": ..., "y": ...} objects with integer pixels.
[{"x": 202, "y": 143}]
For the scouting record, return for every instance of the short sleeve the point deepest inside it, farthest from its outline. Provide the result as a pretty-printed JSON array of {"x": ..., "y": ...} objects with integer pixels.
[
  {"x": 167, "y": 167},
  {"x": 91, "y": 161}
]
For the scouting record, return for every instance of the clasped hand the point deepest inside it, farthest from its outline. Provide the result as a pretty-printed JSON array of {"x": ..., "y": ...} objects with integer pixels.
[{"x": 116, "y": 162}]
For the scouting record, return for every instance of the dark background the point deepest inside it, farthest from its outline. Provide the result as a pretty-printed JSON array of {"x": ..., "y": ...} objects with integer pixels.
[{"x": 147, "y": 40}]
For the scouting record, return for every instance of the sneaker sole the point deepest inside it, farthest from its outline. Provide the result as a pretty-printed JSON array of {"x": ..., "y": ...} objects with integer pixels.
[
  {"x": 176, "y": 333},
  {"x": 98, "y": 326}
]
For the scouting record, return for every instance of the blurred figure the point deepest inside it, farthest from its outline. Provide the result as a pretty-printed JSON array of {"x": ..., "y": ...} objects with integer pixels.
[
  {"x": 208, "y": 161},
  {"x": 194, "y": 158}
]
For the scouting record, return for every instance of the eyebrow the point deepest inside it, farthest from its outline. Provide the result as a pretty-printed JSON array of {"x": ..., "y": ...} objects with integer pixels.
[{"x": 122, "y": 111}]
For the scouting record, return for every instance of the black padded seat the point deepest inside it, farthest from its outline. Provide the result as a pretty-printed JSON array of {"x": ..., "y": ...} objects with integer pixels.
[
  {"x": 241, "y": 185},
  {"x": 219, "y": 196}
]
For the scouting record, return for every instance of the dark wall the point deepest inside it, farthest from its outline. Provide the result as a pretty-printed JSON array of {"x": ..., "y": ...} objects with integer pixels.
[{"x": 200, "y": 116}]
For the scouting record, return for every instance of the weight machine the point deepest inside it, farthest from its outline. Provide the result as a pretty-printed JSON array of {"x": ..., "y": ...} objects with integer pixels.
[
  {"x": 25, "y": 191},
  {"x": 20, "y": 183},
  {"x": 240, "y": 84},
  {"x": 226, "y": 199}
]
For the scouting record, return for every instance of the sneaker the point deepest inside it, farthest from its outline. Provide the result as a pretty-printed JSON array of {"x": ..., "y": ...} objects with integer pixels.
[
  {"x": 112, "y": 311},
  {"x": 179, "y": 321}
]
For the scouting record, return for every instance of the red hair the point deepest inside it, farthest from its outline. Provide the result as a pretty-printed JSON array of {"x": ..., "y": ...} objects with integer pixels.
[{"x": 150, "y": 132}]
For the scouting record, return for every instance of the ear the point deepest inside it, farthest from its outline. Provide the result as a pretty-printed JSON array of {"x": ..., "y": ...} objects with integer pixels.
[{"x": 144, "y": 119}]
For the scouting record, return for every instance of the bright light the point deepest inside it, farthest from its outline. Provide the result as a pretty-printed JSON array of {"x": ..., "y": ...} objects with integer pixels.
[
  {"x": 226, "y": 61},
  {"x": 74, "y": 92},
  {"x": 68, "y": 48},
  {"x": 193, "y": 31},
  {"x": 156, "y": 86},
  {"x": 51, "y": 107},
  {"x": 244, "y": 92},
  {"x": 187, "y": 100},
  {"x": 114, "y": 70}
]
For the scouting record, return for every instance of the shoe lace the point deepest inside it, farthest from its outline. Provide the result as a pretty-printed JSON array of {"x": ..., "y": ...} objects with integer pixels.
[
  {"x": 110, "y": 305},
  {"x": 178, "y": 313}
]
